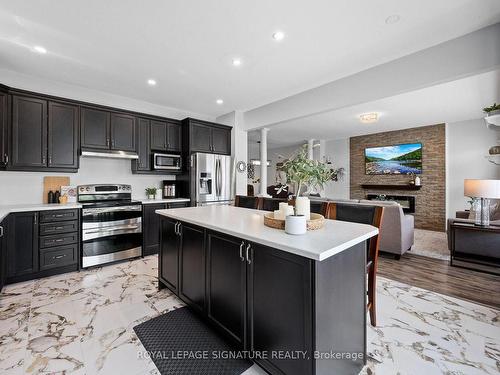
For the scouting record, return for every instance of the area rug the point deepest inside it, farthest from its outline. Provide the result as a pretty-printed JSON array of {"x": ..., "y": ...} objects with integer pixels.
[{"x": 180, "y": 343}]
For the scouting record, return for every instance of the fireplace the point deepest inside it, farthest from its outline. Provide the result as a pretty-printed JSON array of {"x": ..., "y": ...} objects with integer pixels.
[{"x": 407, "y": 202}]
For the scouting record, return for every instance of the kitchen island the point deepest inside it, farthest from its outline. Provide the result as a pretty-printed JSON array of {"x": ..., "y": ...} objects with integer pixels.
[{"x": 298, "y": 303}]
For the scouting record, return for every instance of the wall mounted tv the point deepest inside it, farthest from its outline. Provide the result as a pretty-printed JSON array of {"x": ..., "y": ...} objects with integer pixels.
[{"x": 397, "y": 159}]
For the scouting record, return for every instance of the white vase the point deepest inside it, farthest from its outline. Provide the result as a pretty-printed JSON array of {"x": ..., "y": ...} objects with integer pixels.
[
  {"x": 295, "y": 224},
  {"x": 417, "y": 181},
  {"x": 151, "y": 197},
  {"x": 303, "y": 207}
]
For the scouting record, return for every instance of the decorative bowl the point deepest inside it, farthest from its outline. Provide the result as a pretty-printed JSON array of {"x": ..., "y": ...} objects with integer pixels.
[{"x": 317, "y": 221}]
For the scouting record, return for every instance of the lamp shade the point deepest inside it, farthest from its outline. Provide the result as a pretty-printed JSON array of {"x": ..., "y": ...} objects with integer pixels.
[{"x": 482, "y": 188}]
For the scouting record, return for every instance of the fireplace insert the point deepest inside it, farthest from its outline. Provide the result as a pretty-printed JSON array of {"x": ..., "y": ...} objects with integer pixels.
[{"x": 407, "y": 202}]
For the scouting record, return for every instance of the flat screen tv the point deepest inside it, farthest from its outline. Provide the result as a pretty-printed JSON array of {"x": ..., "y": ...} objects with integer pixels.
[{"x": 397, "y": 159}]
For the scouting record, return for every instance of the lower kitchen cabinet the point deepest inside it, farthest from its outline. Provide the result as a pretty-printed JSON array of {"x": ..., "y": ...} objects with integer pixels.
[
  {"x": 22, "y": 245},
  {"x": 226, "y": 285},
  {"x": 192, "y": 266},
  {"x": 39, "y": 244},
  {"x": 168, "y": 261},
  {"x": 3, "y": 255}
]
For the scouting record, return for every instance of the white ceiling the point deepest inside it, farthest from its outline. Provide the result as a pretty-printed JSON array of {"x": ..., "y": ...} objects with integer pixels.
[
  {"x": 187, "y": 46},
  {"x": 446, "y": 103}
]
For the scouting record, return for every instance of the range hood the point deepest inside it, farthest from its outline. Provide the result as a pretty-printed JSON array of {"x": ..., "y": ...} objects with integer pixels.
[{"x": 111, "y": 154}]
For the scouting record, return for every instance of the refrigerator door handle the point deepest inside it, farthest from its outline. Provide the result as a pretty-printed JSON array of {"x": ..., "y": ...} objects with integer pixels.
[
  {"x": 220, "y": 176},
  {"x": 216, "y": 177}
]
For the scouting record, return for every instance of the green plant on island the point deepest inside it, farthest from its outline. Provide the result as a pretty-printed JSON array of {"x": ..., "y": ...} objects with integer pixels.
[
  {"x": 494, "y": 107},
  {"x": 302, "y": 171}
]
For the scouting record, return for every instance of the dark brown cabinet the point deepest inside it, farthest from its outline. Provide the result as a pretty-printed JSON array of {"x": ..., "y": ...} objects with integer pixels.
[
  {"x": 29, "y": 133},
  {"x": 151, "y": 228},
  {"x": 4, "y": 113},
  {"x": 63, "y": 136},
  {"x": 208, "y": 137},
  {"x": 22, "y": 244},
  {"x": 143, "y": 146},
  {"x": 192, "y": 266},
  {"x": 95, "y": 124},
  {"x": 3, "y": 250},
  {"x": 168, "y": 261},
  {"x": 226, "y": 285},
  {"x": 166, "y": 136},
  {"x": 122, "y": 132},
  {"x": 280, "y": 317}
]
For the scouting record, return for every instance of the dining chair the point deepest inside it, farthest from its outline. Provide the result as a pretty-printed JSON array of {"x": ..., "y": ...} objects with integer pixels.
[
  {"x": 365, "y": 215},
  {"x": 247, "y": 202}
]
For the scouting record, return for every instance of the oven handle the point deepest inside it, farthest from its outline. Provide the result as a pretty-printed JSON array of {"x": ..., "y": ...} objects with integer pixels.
[
  {"x": 93, "y": 211},
  {"x": 128, "y": 227}
]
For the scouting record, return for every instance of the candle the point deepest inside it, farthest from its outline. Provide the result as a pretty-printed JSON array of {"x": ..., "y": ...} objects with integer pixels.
[
  {"x": 303, "y": 207},
  {"x": 289, "y": 211},
  {"x": 278, "y": 214}
]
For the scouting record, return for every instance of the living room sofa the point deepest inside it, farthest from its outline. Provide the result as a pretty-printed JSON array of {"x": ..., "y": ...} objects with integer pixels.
[{"x": 397, "y": 231}]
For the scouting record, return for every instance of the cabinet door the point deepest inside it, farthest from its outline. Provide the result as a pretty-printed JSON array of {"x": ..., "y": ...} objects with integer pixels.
[
  {"x": 63, "y": 137},
  {"x": 151, "y": 228},
  {"x": 201, "y": 138},
  {"x": 143, "y": 149},
  {"x": 280, "y": 307},
  {"x": 22, "y": 248},
  {"x": 226, "y": 285},
  {"x": 122, "y": 132},
  {"x": 3, "y": 249},
  {"x": 94, "y": 128},
  {"x": 158, "y": 135},
  {"x": 3, "y": 129},
  {"x": 192, "y": 266},
  {"x": 221, "y": 141},
  {"x": 168, "y": 267},
  {"x": 174, "y": 134},
  {"x": 29, "y": 132}
]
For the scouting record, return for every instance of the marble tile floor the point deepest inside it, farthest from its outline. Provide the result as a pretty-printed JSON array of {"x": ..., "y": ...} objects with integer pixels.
[{"x": 81, "y": 323}]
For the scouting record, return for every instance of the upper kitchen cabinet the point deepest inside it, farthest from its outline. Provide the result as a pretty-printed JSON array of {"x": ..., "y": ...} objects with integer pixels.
[
  {"x": 143, "y": 147},
  {"x": 29, "y": 133},
  {"x": 203, "y": 136},
  {"x": 44, "y": 135},
  {"x": 122, "y": 132},
  {"x": 104, "y": 130},
  {"x": 63, "y": 136},
  {"x": 166, "y": 136},
  {"x": 95, "y": 124},
  {"x": 4, "y": 113}
]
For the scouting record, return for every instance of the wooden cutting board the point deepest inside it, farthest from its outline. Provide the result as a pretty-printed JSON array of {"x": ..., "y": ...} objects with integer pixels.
[{"x": 53, "y": 183}]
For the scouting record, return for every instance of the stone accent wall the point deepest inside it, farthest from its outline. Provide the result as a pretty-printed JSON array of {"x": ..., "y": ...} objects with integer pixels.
[{"x": 430, "y": 200}]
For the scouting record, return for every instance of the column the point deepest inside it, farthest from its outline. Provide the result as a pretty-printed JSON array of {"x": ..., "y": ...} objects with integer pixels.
[
  {"x": 310, "y": 146},
  {"x": 263, "y": 162}
]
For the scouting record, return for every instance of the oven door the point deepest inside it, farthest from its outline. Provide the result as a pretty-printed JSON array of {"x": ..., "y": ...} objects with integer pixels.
[
  {"x": 167, "y": 161},
  {"x": 110, "y": 234}
]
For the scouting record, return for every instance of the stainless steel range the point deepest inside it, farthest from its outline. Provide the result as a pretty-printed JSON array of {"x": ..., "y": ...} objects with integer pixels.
[{"x": 111, "y": 224}]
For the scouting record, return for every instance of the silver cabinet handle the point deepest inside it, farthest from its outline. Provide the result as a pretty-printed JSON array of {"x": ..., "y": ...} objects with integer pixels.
[
  {"x": 247, "y": 252},
  {"x": 241, "y": 251},
  {"x": 1, "y": 231},
  {"x": 175, "y": 229},
  {"x": 59, "y": 256},
  {"x": 6, "y": 159},
  {"x": 35, "y": 219}
]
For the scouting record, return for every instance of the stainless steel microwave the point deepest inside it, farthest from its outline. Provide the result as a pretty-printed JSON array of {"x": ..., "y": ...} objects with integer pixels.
[{"x": 167, "y": 161}]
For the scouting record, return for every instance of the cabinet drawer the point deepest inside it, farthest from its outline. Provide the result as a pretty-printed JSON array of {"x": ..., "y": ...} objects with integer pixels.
[
  {"x": 58, "y": 239},
  {"x": 58, "y": 256},
  {"x": 178, "y": 205},
  {"x": 58, "y": 215},
  {"x": 56, "y": 228}
]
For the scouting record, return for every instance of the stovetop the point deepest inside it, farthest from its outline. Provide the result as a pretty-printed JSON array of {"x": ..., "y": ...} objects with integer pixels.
[{"x": 110, "y": 203}]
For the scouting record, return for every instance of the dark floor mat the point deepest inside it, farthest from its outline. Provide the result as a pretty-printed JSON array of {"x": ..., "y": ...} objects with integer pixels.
[{"x": 174, "y": 338}]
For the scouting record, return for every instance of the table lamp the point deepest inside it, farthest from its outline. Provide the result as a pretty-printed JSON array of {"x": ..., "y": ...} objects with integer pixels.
[{"x": 484, "y": 189}]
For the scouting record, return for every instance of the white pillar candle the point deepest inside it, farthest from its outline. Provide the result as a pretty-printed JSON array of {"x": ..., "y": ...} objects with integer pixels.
[
  {"x": 283, "y": 207},
  {"x": 289, "y": 210},
  {"x": 303, "y": 207},
  {"x": 278, "y": 214}
]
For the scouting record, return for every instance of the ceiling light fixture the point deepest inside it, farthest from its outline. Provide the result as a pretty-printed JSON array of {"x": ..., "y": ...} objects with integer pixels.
[
  {"x": 151, "y": 82},
  {"x": 368, "y": 118},
  {"x": 236, "y": 61},
  {"x": 278, "y": 35},
  {"x": 219, "y": 101},
  {"x": 40, "y": 50},
  {"x": 392, "y": 19}
]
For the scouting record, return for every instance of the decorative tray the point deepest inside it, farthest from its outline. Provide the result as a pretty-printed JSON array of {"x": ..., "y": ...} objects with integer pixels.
[{"x": 317, "y": 221}]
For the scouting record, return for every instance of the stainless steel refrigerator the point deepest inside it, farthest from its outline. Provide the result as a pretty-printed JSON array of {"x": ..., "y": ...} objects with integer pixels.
[{"x": 210, "y": 179}]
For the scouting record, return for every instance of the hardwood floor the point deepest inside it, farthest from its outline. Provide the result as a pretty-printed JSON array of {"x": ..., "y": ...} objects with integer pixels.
[{"x": 438, "y": 276}]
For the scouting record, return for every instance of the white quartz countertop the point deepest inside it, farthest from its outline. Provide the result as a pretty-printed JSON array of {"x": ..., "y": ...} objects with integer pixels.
[
  {"x": 159, "y": 201},
  {"x": 333, "y": 238},
  {"x": 7, "y": 209}
]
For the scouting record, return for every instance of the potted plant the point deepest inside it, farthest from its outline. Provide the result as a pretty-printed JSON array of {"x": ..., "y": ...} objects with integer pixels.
[
  {"x": 302, "y": 171},
  {"x": 151, "y": 192},
  {"x": 492, "y": 115}
]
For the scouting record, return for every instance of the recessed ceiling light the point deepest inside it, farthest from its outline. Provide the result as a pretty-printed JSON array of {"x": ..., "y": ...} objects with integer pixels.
[
  {"x": 278, "y": 35},
  {"x": 392, "y": 19},
  {"x": 236, "y": 61},
  {"x": 219, "y": 101},
  {"x": 368, "y": 118},
  {"x": 151, "y": 82},
  {"x": 40, "y": 49}
]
